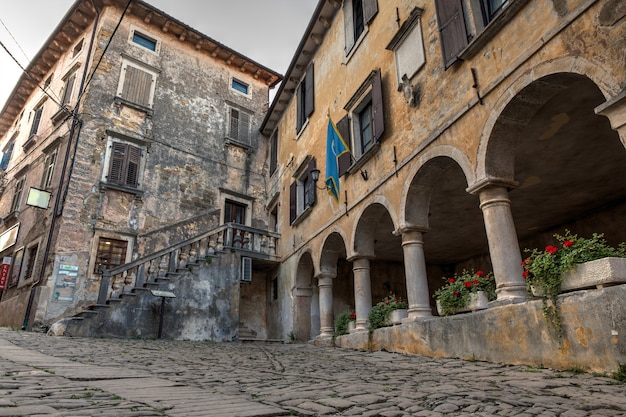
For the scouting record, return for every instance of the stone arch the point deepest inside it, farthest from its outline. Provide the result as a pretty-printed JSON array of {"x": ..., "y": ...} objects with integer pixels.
[
  {"x": 423, "y": 176},
  {"x": 518, "y": 105},
  {"x": 365, "y": 229},
  {"x": 333, "y": 247}
]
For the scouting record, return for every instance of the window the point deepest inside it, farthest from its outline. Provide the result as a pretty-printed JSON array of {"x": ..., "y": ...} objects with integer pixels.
[
  {"x": 48, "y": 169},
  {"x": 234, "y": 212},
  {"x": 274, "y": 288},
  {"x": 357, "y": 14},
  {"x": 239, "y": 86},
  {"x": 408, "y": 46},
  {"x": 463, "y": 22},
  {"x": 16, "y": 267},
  {"x": 305, "y": 99},
  {"x": 77, "y": 48},
  {"x": 239, "y": 125},
  {"x": 111, "y": 253},
  {"x": 68, "y": 88},
  {"x": 144, "y": 40},
  {"x": 34, "y": 127},
  {"x": 302, "y": 192},
  {"x": 137, "y": 84},
  {"x": 365, "y": 123},
  {"x": 17, "y": 195},
  {"x": 273, "y": 152},
  {"x": 124, "y": 165},
  {"x": 29, "y": 262},
  {"x": 6, "y": 156}
]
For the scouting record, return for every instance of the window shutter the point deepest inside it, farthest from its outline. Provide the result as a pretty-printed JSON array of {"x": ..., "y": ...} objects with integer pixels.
[
  {"x": 293, "y": 190},
  {"x": 118, "y": 155},
  {"x": 273, "y": 152},
  {"x": 137, "y": 86},
  {"x": 348, "y": 25},
  {"x": 344, "y": 160},
  {"x": 451, "y": 28},
  {"x": 370, "y": 9},
  {"x": 309, "y": 101},
  {"x": 6, "y": 156},
  {"x": 35, "y": 126},
  {"x": 234, "y": 124},
  {"x": 132, "y": 171},
  {"x": 377, "y": 107},
  {"x": 244, "y": 128},
  {"x": 69, "y": 87},
  {"x": 246, "y": 269}
]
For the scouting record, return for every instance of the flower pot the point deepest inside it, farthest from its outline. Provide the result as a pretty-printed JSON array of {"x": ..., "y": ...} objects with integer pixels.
[
  {"x": 477, "y": 301},
  {"x": 593, "y": 274},
  {"x": 396, "y": 316}
]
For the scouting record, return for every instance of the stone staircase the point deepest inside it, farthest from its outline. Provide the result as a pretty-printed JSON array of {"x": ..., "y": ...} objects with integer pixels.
[{"x": 187, "y": 289}]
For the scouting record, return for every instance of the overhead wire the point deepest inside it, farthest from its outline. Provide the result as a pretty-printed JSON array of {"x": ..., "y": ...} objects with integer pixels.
[{"x": 15, "y": 40}]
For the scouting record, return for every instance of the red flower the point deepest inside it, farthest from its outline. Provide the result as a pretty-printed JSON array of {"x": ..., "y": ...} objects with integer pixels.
[
  {"x": 456, "y": 293},
  {"x": 525, "y": 261},
  {"x": 476, "y": 281},
  {"x": 552, "y": 249},
  {"x": 451, "y": 281},
  {"x": 480, "y": 273},
  {"x": 525, "y": 274},
  {"x": 352, "y": 316},
  {"x": 567, "y": 243},
  {"x": 468, "y": 284}
]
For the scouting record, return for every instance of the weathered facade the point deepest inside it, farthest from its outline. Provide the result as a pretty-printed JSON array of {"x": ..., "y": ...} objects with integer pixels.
[
  {"x": 476, "y": 129},
  {"x": 144, "y": 133}
]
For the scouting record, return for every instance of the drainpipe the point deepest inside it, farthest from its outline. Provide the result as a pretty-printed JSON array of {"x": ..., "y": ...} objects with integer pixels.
[{"x": 74, "y": 128}]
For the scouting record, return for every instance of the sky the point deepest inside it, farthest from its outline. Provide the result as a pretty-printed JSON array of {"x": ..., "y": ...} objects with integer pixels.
[{"x": 266, "y": 31}]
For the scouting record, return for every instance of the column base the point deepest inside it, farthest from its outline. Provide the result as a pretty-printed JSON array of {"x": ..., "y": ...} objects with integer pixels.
[
  {"x": 511, "y": 294},
  {"x": 327, "y": 332},
  {"x": 416, "y": 313}
]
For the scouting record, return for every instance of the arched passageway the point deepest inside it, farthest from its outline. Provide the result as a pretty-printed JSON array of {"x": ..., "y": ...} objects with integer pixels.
[
  {"x": 335, "y": 283},
  {"x": 306, "y": 314}
]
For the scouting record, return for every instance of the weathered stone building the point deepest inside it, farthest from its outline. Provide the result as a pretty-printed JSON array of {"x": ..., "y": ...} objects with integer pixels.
[
  {"x": 143, "y": 133},
  {"x": 477, "y": 129}
]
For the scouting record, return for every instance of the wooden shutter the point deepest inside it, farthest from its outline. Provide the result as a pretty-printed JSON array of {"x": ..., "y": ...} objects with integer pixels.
[
  {"x": 370, "y": 9},
  {"x": 273, "y": 152},
  {"x": 309, "y": 90},
  {"x": 137, "y": 86},
  {"x": 293, "y": 206},
  {"x": 299, "y": 107},
  {"x": 36, "y": 119},
  {"x": 310, "y": 184},
  {"x": 377, "y": 107},
  {"x": 116, "y": 168},
  {"x": 451, "y": 29},
  {"x": 132, "y": 171},
  {"x": 344, "y": 160},
  {"x": 6, "y": 156},
  {"x": 246, "y": 269},
  {"x": 244, "y": 128},
  {"x": 234, "y": 124},
  {"x": 69, "y": 88},
  {"x": 348, "y": 25}
]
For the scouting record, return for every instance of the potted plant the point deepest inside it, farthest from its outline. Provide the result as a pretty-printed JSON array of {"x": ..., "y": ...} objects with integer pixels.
[
  {"x": 344, "y": 322},
  {"x": 575, "y": 263},
  {"x": 379, "y": 315},
  {"x": 468, "y": 291}
]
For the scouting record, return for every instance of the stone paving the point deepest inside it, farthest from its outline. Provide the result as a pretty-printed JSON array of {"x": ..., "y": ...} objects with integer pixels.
[{"x": 56, "y": 376}]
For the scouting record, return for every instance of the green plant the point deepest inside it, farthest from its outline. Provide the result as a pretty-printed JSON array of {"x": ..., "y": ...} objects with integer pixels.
[
  {"x": 379, "y": 314},
  {"x": 342, "y": 320},
  {"x": 620, "y": 373},
  {"x": 543, "y": 269},
  {"x": 454, "y": 295}
]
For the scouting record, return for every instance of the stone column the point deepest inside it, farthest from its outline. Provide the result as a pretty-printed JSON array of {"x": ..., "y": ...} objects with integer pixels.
[
  {"x": 504, "y": 248},
  {"x": 615, "y": 110},
  {"x": 362, "y": 291},
  {"x": 415, "y": 273},
  {"x": 325, "y": 285}
]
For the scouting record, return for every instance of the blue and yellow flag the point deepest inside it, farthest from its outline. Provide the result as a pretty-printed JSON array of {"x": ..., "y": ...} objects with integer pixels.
[{"x": 335, "y": 146}]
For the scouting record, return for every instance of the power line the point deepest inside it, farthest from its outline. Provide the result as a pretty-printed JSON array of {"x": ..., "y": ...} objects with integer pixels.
[
  {"x": 28, "y": 75},
  {"x": 14, "y": 40}
]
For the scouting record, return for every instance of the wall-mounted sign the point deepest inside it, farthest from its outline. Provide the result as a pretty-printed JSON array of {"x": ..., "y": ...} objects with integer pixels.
[
  {"x": 9, "y": 237},
  {"x": 38, "y": 198},
  {"x": 67, "y": 275}
]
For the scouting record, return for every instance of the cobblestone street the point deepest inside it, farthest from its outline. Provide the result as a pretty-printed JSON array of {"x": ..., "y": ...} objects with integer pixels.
[{"x": 51, "y": 376}]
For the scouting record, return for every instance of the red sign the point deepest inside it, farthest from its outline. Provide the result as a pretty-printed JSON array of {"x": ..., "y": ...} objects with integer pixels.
[{"x": 4, "y": 272}]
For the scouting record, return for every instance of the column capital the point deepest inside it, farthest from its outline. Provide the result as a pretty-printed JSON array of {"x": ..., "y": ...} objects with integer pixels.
[
  {"x": 491, "y": 182},
  {"x": 358, "y": 256},
  {"x": 614, "y": 109},
  {"x": 410, "y": 228}
]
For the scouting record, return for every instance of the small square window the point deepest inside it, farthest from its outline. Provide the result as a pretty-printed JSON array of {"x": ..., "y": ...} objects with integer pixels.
[
  {"x": 111, "y": 253},
  {"x": 145, "y": 41},
  {"x": 239, "y": 86},
  {"x": 77, "y": 48}
]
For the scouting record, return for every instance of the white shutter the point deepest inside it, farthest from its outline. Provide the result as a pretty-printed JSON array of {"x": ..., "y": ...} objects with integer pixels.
[{"x": 246, "y": 269}]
